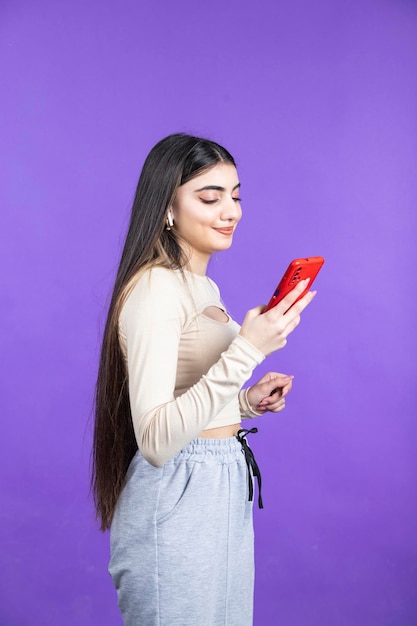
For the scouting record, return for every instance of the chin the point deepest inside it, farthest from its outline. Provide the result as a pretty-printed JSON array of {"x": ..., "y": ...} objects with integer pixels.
[{"x": 225, "y": 246}]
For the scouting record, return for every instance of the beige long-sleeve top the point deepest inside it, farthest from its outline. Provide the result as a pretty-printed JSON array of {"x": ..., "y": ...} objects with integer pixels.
[{"x": 185, "y": 369}]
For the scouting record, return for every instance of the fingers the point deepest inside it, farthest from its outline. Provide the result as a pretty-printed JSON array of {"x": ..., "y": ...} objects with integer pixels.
[
  {"x": 273, "y": 407},
  {"x": 286, "y": 390},
  {"x": 273, "y": 380},
  {"x": 294, "y": 294},
  {"x": 279, "y": 406},
  {"x": 257, "y": 310},
  {"x": 287, "y": 313},
  {"x": 290, "y": 304},
  {"x": 292, "y": 323},
  {"x": 293, "y": 315},
  {"x": 274, "y": 401},
  {"x": 282, "y": 391},
  {"x": 268, "y": 332},
  {"x": 299, "y": 306}
]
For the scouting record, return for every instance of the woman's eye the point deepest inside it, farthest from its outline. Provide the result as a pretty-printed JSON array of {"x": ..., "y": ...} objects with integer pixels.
[
  {"x": 207, "y": 201},
  {"x": 214, "y": 200}
]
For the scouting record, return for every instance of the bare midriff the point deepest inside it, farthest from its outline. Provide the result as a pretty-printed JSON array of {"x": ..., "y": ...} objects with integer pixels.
[{"x": 222, "y": 432}]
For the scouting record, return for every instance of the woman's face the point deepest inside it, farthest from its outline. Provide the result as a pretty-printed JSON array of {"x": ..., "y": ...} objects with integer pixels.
[{"x": 206, "y": 211}]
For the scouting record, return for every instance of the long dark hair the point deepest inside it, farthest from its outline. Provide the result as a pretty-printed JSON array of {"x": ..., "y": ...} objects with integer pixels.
[{"x": 171, "y": 163}]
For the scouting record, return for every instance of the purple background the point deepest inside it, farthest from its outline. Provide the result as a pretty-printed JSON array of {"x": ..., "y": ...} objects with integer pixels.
[{"x": 317, "y": 100}]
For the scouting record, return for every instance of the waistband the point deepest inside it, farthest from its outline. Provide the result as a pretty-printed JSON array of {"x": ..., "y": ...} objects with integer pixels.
[
  {"x": 215, "y": 446},
  {"x": 226, "y": 450}
]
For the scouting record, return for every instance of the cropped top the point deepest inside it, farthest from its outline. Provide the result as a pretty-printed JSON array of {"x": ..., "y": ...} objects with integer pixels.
[{"x": 185, "y": 369}]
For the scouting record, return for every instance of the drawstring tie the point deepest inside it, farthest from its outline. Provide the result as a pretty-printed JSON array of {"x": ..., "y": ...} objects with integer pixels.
[{"x": 251, "y": 464}]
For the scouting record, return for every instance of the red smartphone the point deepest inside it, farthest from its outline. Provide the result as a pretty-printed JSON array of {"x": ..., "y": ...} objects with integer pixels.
[{"x": 298, "y": 270}]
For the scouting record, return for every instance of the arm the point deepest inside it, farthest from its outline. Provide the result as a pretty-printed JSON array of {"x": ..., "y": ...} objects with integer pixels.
[{"x": 151, "y": 325}]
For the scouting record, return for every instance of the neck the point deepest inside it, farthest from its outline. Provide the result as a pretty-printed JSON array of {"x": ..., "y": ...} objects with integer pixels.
[{"x": 197, "y": 263}]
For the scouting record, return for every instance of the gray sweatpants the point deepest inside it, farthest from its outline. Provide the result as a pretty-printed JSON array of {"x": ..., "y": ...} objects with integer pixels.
[{"x": 182, "y": 539}]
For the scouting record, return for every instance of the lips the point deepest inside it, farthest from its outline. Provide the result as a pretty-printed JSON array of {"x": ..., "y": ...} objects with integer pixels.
[{"x": 225, "y": 231}]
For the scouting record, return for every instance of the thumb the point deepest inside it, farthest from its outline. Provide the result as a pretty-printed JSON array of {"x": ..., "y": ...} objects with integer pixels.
[
  {"x": 276, "y": 382},
  {"x": 257, "y": 310}
]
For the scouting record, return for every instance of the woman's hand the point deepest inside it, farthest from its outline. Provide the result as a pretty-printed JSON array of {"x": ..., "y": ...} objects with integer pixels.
[
  {"x": 268, "y": 394},
  {"x": 269, "y": 331}
]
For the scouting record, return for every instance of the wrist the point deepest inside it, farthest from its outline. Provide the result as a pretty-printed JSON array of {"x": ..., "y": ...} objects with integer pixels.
[{"x": 246, "y": 409}]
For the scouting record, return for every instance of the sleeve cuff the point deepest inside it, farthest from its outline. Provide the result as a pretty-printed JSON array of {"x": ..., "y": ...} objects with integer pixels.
[
  {"x": 246, "y": 411},
  {"x": 250, "y": 349}
]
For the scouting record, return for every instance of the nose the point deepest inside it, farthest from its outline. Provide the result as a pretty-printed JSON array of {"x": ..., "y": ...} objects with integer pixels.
[{"x": 231, "y": 211}]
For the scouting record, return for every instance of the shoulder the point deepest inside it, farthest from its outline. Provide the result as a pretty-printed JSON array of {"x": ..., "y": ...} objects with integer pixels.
[
  {"x": 214, "y": 285},
  {"x": 157, "y": 280},
  {"x": 159, "y": 291}
]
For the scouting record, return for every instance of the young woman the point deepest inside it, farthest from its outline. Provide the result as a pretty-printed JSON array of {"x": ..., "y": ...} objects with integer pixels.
[{"x": 172, "y": 471}]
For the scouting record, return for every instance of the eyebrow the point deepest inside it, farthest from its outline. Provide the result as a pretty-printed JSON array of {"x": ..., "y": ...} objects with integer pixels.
[{"x": 215, "y": 188}]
